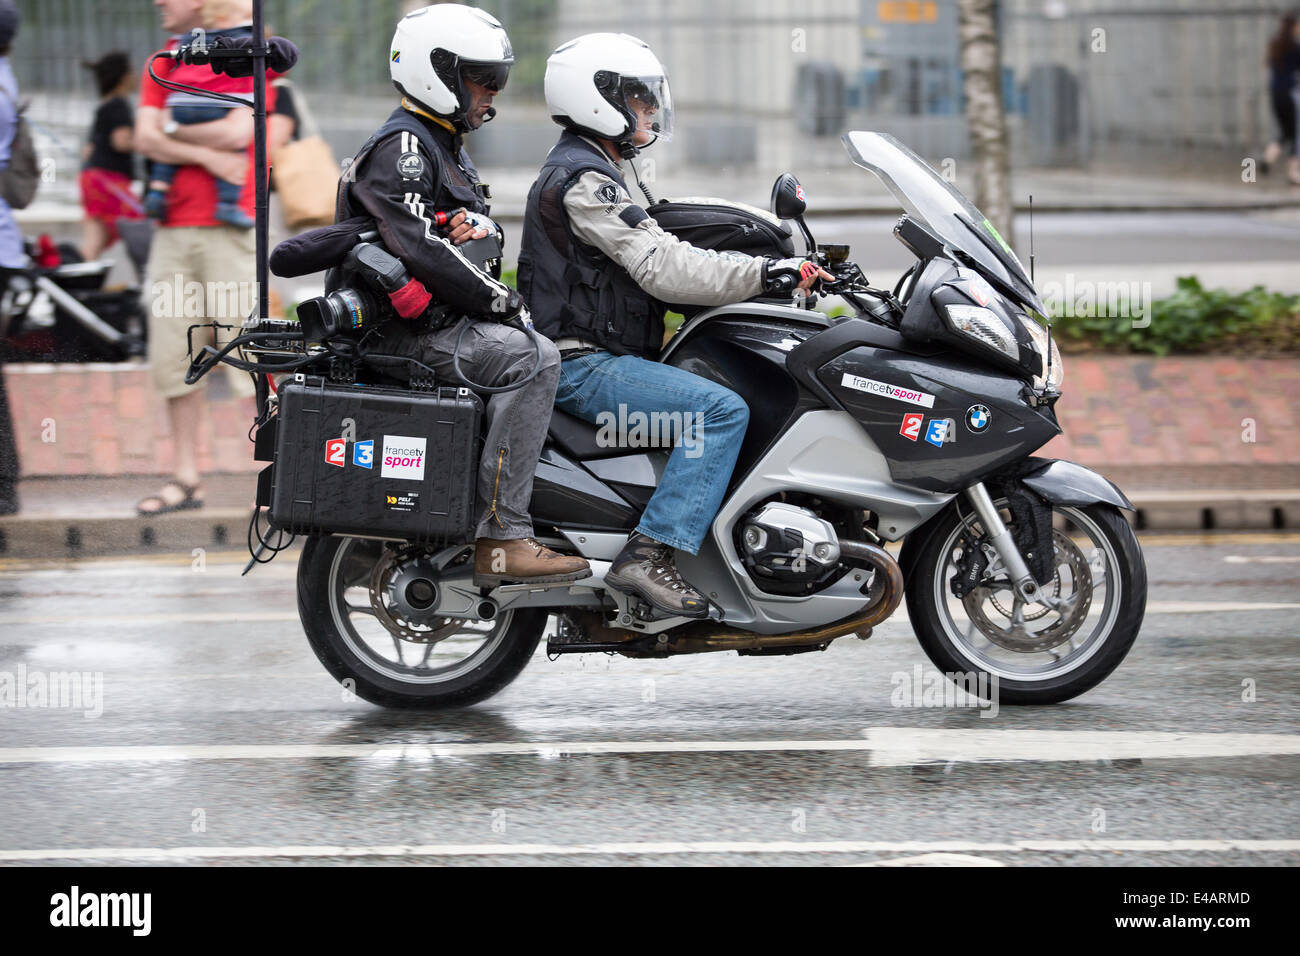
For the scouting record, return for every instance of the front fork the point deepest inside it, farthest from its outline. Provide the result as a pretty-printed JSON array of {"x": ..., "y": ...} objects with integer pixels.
[{"x": 1005, "y": 546}]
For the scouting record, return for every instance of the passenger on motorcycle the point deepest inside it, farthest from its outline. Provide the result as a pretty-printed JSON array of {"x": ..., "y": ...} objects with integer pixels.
[
  {"x": 448, "y": 61},
  {"x": 594, "y": 268}
]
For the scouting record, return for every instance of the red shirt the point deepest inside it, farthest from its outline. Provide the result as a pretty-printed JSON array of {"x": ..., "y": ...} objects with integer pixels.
[{"x": 192, "y": 200}]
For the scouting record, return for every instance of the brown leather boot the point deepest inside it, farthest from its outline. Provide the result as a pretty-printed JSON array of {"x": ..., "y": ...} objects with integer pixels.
[{"x": 523, "y": 561}]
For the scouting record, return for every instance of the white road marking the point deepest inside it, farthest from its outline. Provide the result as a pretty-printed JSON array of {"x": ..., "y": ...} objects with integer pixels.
[
  {"x": 108, "y": 620},
  {"x": 237, "y": 617},
  {"x": 908, "y": 746},
  {"x": 1262, "y": 559},
  {"x": 1216, "y": 607},
  {"x": 931, "y": 849},
  {"x": 887, "y": 746},
  {"x": 935, "y": 859}
]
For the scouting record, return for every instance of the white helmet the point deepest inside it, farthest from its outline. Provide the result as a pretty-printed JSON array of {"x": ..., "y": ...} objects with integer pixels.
[
  {"x": 602, "y": 83},
  {"x": 436, "y": 48}
]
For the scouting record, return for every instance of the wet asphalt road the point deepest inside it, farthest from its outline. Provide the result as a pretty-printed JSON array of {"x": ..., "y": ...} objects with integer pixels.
[{"x": 199, "y": 658}]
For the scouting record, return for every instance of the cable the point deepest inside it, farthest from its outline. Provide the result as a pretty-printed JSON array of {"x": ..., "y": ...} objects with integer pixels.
[
  {"x": 637, "y": 173},
  {"x": 263, "y": 540},
  {"x": 183, "y": 88}
]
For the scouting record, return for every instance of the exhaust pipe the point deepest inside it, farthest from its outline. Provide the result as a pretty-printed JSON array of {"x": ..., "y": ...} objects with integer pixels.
[{"x": 886, "y": 594}]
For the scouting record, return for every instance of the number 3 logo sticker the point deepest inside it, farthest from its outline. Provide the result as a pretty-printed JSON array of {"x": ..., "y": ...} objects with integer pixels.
[{"x": 363, "y": 454}]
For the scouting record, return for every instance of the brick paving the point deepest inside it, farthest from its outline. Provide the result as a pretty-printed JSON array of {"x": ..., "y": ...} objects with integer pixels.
[
  {"x": 104, "y": 419},
  {"x": 1179, "y": 413},
  {"x": 1172, "y": 422}
]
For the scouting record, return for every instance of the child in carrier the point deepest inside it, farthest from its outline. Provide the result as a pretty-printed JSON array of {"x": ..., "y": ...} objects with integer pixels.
[{"x": 188, "y": 109}]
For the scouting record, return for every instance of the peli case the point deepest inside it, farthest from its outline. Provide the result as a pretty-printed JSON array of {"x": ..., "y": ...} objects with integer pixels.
[{"x": 367, "y": 460}]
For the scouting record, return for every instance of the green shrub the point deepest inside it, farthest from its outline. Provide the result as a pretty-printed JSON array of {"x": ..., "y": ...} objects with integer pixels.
[{"x": 1193, "y": 320}]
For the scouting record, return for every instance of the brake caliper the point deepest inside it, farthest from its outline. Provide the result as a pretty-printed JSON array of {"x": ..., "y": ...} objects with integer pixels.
[{"x": 970, "y": 566}]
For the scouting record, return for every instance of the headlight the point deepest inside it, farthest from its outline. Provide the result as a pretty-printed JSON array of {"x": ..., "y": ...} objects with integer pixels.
[
  {"x": 1039, "y": 335},
  {"x": 984, "y": 326}
]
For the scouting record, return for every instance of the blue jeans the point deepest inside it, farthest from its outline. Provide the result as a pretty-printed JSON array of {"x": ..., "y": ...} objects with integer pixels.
[{"x": 636, "y": 401}]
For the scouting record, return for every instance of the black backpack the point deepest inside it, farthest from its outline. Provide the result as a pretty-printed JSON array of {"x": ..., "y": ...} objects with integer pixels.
[{"x": 19, "y": 180}]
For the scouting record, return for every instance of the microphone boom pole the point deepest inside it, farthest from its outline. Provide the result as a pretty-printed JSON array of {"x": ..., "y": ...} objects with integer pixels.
[{"x": 261, "y": 187}]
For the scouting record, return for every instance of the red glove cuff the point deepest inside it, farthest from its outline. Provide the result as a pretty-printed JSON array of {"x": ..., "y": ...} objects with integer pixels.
[{"x": 411, "y": 299}]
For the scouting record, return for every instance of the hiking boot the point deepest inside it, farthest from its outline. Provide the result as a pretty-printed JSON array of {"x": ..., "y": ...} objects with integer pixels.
[
  {"x": 645, "y": 568},
  {"x": 523, "y": 561}
]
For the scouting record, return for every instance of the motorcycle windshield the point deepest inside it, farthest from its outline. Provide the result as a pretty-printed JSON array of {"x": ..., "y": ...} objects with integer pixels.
[{"x": 946, "y": 212}]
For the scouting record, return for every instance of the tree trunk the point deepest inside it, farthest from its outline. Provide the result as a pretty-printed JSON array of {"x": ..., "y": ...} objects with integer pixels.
[{"x": 981, "y": 65}]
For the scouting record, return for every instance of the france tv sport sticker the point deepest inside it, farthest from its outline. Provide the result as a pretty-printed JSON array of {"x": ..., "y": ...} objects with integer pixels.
[
  {"x": 403, "y": 458},
  {"x": 978, "y": 418}
]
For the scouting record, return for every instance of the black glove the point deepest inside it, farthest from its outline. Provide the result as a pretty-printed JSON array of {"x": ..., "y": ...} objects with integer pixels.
[{"x": 783, "y": 275}]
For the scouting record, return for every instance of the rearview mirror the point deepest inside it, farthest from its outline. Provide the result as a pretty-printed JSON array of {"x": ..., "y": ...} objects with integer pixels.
[{"x": 787, "y": 197}]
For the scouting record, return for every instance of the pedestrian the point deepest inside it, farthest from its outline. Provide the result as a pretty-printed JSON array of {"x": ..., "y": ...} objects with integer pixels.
[
  {"x": 108, "y": 168},
  {"x": 1283, "y": 61},
  {"x": 194, "y": 248},
  {"x": 12, "y": 255}
]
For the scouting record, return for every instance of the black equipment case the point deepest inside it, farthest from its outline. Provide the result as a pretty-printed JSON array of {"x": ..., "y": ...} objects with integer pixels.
[{"x": 372, "y": 460}]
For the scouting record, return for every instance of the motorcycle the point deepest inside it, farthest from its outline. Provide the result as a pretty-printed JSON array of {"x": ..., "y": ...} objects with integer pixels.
[{"x": 910, "y": 422}]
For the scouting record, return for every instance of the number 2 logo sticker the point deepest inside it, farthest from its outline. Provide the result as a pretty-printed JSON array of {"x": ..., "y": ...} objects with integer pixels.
[
  {"x": 911, "y": 428},
  {"x": 336, "y": 451}
]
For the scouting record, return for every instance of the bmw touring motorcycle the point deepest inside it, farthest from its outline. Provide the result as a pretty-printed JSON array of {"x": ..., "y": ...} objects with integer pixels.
[{"x": 911, "y": 422}]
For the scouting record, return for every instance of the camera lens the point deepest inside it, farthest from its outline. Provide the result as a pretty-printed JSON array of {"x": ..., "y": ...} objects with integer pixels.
[{"x": 347, "y": 310}]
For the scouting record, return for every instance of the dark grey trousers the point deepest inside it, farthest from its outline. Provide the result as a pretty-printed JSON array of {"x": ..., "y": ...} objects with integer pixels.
[{"x": 493, "y": 354}]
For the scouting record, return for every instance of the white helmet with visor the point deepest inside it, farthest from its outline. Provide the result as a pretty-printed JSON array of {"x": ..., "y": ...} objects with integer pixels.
[
  {"x": 437, "y": 48},
  {"x": 610, "y": 85}
]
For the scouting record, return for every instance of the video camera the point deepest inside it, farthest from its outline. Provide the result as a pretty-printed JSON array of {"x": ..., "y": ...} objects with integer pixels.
[{"x": 368, "y": 284}]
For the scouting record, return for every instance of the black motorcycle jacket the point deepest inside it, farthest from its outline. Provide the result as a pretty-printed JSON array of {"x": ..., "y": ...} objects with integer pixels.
[{"x": 408, "y": 172}]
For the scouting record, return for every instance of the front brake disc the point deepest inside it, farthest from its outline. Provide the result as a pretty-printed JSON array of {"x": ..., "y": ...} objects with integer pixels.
[{"x": 1010, "y": 632}]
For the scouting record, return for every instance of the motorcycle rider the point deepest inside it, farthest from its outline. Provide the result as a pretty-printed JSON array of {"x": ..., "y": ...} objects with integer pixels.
[
  {"x": 448, "y": 61},
  {"x": 594, "y": 268}
]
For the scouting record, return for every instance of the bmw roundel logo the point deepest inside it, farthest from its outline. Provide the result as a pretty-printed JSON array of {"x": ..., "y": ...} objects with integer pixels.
[{"x": 978, "y": 418}]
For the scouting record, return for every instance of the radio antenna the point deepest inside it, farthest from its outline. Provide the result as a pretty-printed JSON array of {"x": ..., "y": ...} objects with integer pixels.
[
  {"x": 1047, "y": 374},
  {"x": 1031, "y": 237}
]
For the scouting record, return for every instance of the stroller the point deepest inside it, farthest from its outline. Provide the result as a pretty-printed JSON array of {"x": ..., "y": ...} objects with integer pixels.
[{"x": 57, "y": 309}]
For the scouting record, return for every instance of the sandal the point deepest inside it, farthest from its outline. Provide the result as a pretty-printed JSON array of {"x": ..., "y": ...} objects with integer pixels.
[{"x": 187, "y": 502}]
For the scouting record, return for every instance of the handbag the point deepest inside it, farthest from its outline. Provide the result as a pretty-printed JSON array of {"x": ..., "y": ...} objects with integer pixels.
[
  {"x": 305, "y": 172},
  {"x": 18, "y": 181}
]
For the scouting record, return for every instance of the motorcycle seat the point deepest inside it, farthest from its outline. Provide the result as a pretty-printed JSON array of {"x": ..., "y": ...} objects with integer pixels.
[{"x": 577, "y": 438}]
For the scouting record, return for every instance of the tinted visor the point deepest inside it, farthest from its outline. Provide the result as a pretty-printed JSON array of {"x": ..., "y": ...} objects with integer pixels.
[{"x": 492, "y": 76}]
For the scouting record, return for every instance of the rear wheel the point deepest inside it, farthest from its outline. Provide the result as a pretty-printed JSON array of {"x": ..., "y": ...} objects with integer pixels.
[
  {"x": 1039, "y": 653},
  {"x": 361, "y": 604}
]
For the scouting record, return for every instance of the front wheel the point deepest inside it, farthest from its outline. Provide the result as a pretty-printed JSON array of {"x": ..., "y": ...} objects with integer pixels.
[
  {"x": 1039, "y": 653},
  {"x": 365, "y": 606}
]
